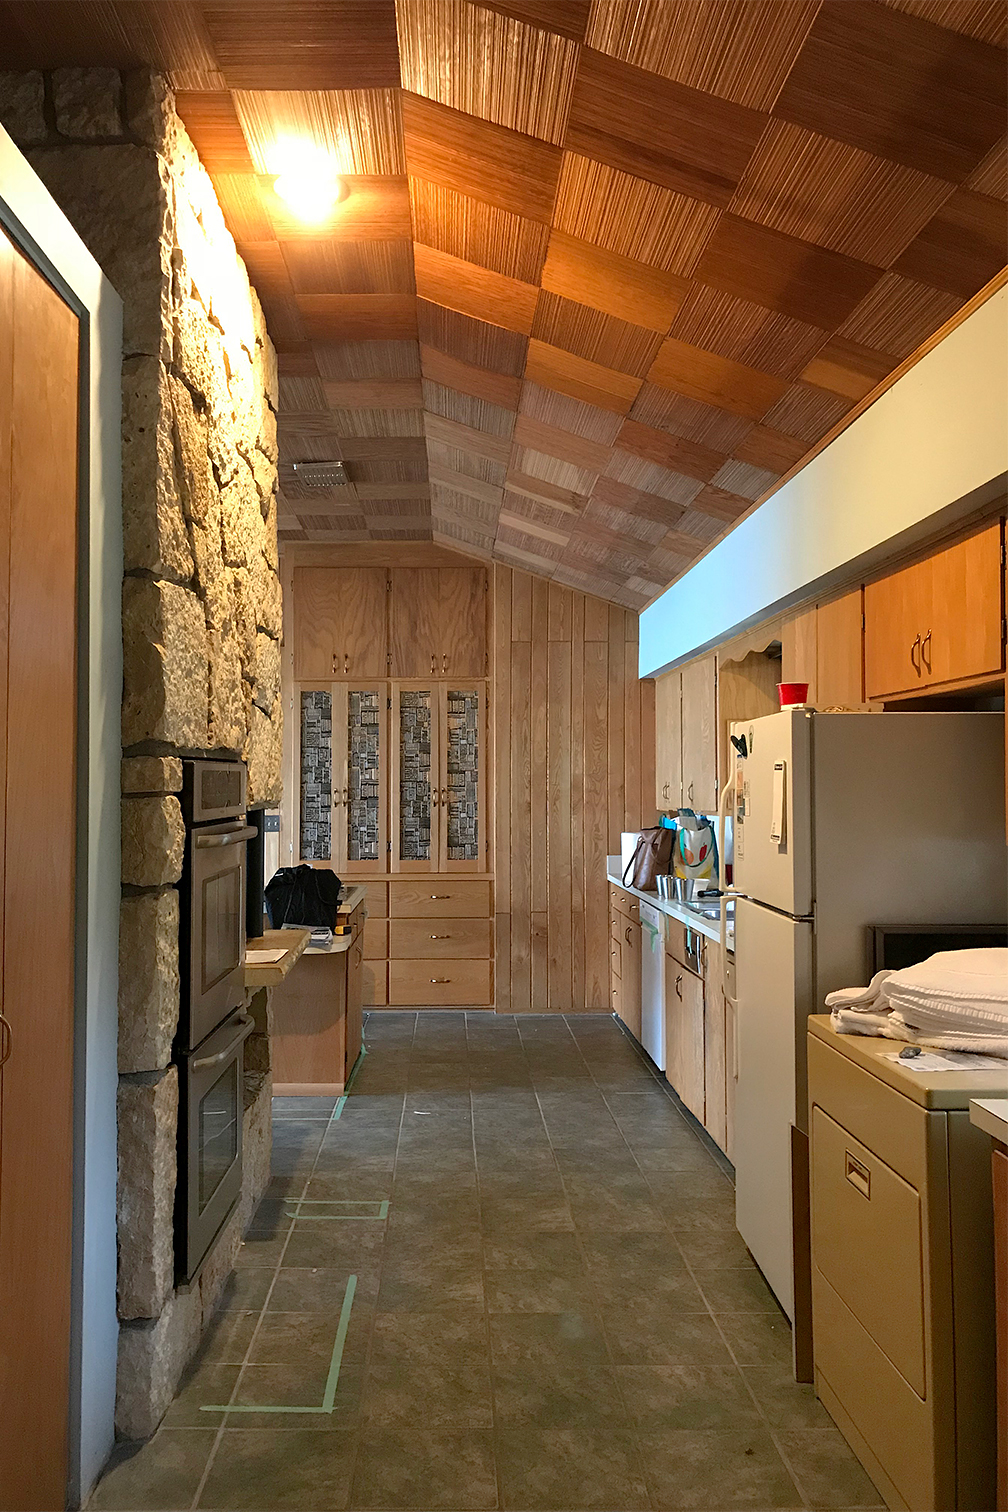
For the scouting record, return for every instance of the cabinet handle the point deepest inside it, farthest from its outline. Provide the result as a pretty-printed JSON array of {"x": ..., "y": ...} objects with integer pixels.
[
  {"x": 678, "y": 987},
  {"x": 926, "y": 654},
  {"x": 440, "y": 897},
  {"x": 913, "y": 660},
  {"x": 346, "y": 662},
  {"x": 444, "y": 662},
  {"x": 628, "y": 934},
  {"x": 858, "y": 1175},
  {"x": 689, "y": 792},
  {"x": 439, "y": 981},
  {"x": 334, "y": 664},
  {"x": 433, "y": 659},
  {"x": 6, "y": 1039},
  {"x": 434, "y": 798},
  {"x": 444, "y": 797},
  {"x": 440, "y": 937}
]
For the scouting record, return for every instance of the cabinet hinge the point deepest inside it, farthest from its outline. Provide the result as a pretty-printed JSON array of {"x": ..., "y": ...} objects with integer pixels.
[
  {"x": 388, "y": 703},
  {"x": 388, "y": 585},
  {"x": 388, "y": 847}
]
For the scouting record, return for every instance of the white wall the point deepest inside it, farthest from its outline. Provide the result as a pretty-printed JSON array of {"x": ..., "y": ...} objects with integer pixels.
[
  {"x": 931, "y": 449},
  {"x": 38, "y": 226}
]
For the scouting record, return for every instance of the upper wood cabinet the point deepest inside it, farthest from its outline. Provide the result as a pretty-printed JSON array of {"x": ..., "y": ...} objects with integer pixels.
[
  {"x": 799, "y": 654},
  {"x": 746, "y": 689},
  {"x": 840, "y": 652},
  {"x": 699, "y": 736},
  {"x": 340, "y": 622},
  {"x": 938, "y": 621},
  {"x": 668, "y": 742},
  {"x": 438, "y": 622}
]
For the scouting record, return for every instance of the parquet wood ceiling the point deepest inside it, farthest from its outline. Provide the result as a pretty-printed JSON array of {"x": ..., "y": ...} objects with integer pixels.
[{"x": 607, "y": 269}]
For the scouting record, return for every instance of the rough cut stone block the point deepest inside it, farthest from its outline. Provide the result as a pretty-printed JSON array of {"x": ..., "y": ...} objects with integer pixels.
[
  {"x": 257, "y": 1141},
  {"x": 152, "y": 1357},
  {"x": 199, "y": 352},
  {"x": 22, "y": 107},
  {"x": 151, "y": 774},
  {"x": 268, "y": 598},
  {"x": 191, "y": 432},
  {"x": 262, "y": 756},
  {"x": 269, "y": 541},
  {"x": 118, "y": 200},
  {"x": 243, "y": 613},
  {"x": 155, "y": 538},
  {"x": 228, "y": 728},
  {"x": 164, "y": 665},
  {"x": 219, "y": 1264},
  {"x": 148, "y": 1124},
  {"x": 149, "y": 107},
  {"x": 265, "y": 474},
  {"x": 267, "y": 440},
  {"x": 247, "y": 404},
  {"x": 153, "y": 841},
  {"x": 267, "y": 683},
  {"x": 148, "y": 980},
  {"x": 242, "y": 531},
  {"x": 88, "y": 102}
]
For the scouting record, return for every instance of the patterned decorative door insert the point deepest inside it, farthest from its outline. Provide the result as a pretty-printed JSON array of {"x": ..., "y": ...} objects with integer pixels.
[
  {"x": 462, "y": 772},
  {"x": 415, "y": 806},
  {"x": 363, "y": 745},
  {"x": 316, "y": 775}
]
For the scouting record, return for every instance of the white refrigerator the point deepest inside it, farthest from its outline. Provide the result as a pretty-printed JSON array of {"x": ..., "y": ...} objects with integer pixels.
[{"x": 841, "y": 821}]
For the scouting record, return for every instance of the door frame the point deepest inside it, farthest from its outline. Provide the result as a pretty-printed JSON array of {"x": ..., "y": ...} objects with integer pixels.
[{"x": 40, "y": 232}]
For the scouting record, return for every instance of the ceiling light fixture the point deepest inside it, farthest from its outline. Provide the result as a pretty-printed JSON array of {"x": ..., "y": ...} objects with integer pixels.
[{"x": 307, "y": 180}]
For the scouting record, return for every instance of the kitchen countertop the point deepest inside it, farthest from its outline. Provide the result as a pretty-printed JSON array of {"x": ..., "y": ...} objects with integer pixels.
[
  {"x": 991, "y": 1115},
  {"x": 268, "y": 974},
  {"x": 670, "y": 907}
]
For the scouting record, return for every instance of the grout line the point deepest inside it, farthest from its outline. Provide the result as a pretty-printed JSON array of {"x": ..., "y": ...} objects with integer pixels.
[{"x": 714, "y": 1316}]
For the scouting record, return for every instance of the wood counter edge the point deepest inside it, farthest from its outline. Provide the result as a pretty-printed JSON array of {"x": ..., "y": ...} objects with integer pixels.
[{"x": 268, "y": 974}]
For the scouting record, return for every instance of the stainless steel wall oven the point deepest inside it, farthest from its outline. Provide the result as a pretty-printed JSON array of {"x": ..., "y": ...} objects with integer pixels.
[{"x": 212, "y": 1022}]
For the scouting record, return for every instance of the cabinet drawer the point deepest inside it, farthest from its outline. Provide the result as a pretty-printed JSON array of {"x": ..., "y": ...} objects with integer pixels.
[
  {"x": 862, "y": 1210},
  {"x": 450, "y": 984},
  {"x": 441, "y": 939},
  {"x": 686, "y": 946},
  {"x": 627, "y": 905},
  {"x": 376, "y": 900},
  {"x": 440, "y": 897},
  {"x": 376, "y": 940},
  {"x": 615, "y": 956},
  {"x": 374, "y": 984}
]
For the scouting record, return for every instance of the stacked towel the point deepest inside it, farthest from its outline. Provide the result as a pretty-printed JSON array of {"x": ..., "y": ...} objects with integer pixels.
[{"x": 955, "y": 1000}]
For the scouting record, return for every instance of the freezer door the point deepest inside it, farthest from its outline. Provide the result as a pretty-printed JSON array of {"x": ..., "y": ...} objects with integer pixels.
[
  {"x": 653, "y": 983},
  {"x": 773, "y": 810},
  {"x": 773, "y": 973}
]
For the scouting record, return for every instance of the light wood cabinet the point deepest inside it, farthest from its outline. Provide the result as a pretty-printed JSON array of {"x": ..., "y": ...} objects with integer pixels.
[
  {"x": 840, "y": 652},
  {"x": 462, "y": 615},
  {"x": 414, "y": 636},
  {"x": 799, "y": 651},
  {"x": 630, "y": 976},
  {"x": 699, "y": 736},
  {"x": 438, "y": 622},
  {"x": 715, "y": 1049},
  {"x": 746, "y": 689},
  {"x": 668, "y": 742},
  {"x": 341, "y": 737},
  {"x": 938, "y": 621},
  {"x": 438, "y": 816},
  {"x": 340, "y": 622},
  {"x": 684, "y": 1034}
]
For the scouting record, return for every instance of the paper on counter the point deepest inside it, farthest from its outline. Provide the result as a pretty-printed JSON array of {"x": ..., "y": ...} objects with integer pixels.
[
  {"x": 950, "y": 1060},
  {"x": 263, "y": 957}
]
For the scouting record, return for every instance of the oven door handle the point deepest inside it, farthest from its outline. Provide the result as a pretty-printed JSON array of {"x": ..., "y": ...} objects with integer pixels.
[
  {"x": 229, "y": 837},
  {"x": 247, "y": 1023}
]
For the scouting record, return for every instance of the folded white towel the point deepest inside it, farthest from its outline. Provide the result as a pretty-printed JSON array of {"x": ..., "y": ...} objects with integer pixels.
[
  {"x": 860, "y": 999},
  {"x": 955, "y": 1000}
]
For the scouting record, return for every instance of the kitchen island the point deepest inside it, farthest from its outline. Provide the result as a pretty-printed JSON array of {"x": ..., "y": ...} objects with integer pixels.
[{"x": 317, "y": 1013}]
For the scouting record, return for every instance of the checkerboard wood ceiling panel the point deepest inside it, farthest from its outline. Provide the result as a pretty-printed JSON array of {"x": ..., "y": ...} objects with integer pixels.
[{"x": 607, "y": 269}]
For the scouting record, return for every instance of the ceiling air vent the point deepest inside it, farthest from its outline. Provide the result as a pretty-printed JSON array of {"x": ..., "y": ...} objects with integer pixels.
[{"x": 321, "y": 474}]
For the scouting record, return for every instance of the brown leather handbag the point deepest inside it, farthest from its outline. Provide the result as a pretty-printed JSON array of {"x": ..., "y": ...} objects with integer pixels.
[{"x": 650, "y": 859}]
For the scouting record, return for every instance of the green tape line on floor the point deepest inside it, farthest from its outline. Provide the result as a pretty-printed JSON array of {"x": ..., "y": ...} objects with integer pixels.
[
  {"x": 341, "y": 1101},
  {"x": 332, "y": 1379}
]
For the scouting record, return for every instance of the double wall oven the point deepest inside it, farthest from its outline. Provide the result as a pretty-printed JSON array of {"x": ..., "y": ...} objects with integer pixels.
[{"x": 213, "y": 1025}]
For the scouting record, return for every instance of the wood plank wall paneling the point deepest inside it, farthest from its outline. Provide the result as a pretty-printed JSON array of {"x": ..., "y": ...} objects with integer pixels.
[{"x": 574, "y": 764}]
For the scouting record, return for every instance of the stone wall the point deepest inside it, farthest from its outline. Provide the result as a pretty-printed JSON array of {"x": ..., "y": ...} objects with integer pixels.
[{"x": 201, "y": 622}]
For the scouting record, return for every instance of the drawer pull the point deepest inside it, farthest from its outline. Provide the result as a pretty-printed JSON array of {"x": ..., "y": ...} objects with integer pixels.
[
  {"x": 858, "y": 1175},
  {"x": 440, "y": 937},
  {"x": 439, "y": 897},
  {"x": 439, "y": 981}
]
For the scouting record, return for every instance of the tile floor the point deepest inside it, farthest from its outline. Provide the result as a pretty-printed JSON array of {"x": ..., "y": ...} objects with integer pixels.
[{"x": 555, "y": 1311}]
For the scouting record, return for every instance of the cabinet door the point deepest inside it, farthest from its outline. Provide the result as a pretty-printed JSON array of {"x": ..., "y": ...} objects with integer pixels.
[
  {"x": 462, "y": 610},
  {"x": 415, "y": 772},
  {"x": 840, "y": 652},
  {"x": 799, "y": 661},
  {"x": 668, "y": 742},
  {"x": 715, "y": 1049},
  {"x": 317, "y": 804},
  {"x": 630, "y": 984},
  {"x": 699, "y": 736},
  {"x": 897, "y": 616},
  {"x": 463, "y": 754},
  {"x": 966, "y": 608},
  {"x": 684, "y": 1035},
  {"x": 414, "y": 630},
  {"x": 360, "y": 773},
  {"x": 340, "y": 618}
]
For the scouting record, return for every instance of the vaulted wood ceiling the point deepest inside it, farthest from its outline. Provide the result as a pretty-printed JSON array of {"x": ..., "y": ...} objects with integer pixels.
[{"x": 607, "y": 269}]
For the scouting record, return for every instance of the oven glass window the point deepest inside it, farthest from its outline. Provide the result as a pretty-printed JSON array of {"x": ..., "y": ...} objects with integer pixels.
[
  {"x": 222, "y": 923},
  {"x": 218, "y": 1132}
]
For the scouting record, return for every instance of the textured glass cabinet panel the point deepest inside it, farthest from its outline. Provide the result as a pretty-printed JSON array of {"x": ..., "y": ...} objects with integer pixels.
[
  {"x": 316, "y": 776},
  {"x": 462, "y": 770},
  {"x": 364, "y": 748},
  {"x": 415, "y": 711}
]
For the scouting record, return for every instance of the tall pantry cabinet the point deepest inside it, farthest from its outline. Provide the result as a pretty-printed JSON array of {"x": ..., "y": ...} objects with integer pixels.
[{"x": 390, "y": 755}]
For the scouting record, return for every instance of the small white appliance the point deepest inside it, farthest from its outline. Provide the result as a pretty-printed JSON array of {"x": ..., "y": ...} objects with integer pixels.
[
  {"x": 841, "y": 822},
  {"x": 652, "y": 975}
]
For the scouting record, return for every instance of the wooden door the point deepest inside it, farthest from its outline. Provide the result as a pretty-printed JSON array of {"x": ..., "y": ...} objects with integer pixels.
[
  {"x": 799, "y": 656},
  {"x": 967, "y": 611},
  {"x": 668, "y": 742},
  {"x": 39, "y": 349},
  {"x": 340, "y": 622},
  {"x": 414, "y": 622},
  {"x": 320, "y": 775},
  {"x": 462, "y": 613},
  {"x": 360, "y": 771},
  {"x": 684, "y": 1035},
  {"x": 840, "y": 652},
  {"x": 414, "y": 807},
  {"x": 462, "y": 748},
  {"x": 630, "y": 976},
  {"x": 715, "y": 1050},
  {"x": 699, "y": 735},
  {"x": 897, "y": 616}
]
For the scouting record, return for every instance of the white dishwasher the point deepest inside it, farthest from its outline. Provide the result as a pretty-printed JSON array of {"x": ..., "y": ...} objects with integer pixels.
[{"x": 652, "y": 979}]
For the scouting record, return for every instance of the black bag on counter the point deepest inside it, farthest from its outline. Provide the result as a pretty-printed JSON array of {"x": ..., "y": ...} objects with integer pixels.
[{"x": 303, "y": 895}]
